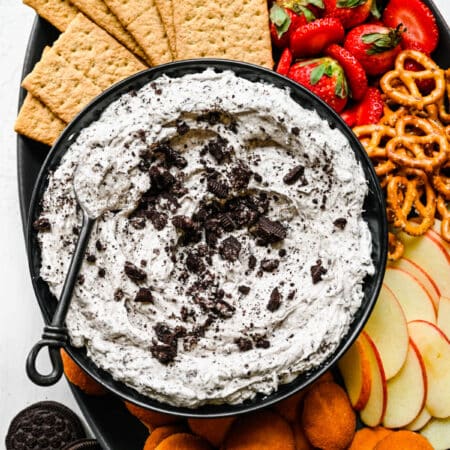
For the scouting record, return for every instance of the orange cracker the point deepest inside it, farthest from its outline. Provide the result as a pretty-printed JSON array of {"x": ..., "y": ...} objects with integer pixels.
[
  {"x": 37, "y": 122},
  {"x": 151, "y": 419},
  {"x": 183, "y": 441},
  {"x": 368, "y": 438},
  {"x": 255, "y": 431},
  {"x": 213, "y": 430},
  {"x": 58, "y": 12},
  {"x": 289, "y": 407},
  {"x": 142, "y": 20},
  {"x": 328, "y": 418},
  {"x": 232, "y": 30},
  {"x": 404, "y": 440},
  {"x": 79, "y": 377},
  {"x": 99, "y": 13},
  {"x": 161, "y": 433},
  {"x": 165, "y": 9}
]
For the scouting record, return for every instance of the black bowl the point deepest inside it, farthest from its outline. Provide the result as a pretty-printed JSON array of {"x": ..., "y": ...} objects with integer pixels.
[{"x": 374, "y": 214}]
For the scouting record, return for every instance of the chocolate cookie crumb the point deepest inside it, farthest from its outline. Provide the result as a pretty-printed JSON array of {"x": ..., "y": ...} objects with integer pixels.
[
  {"x": 165, "y": 354},
  {"x": 230, "y": 248},
  {"x": 99, "y": 246},
  {"x": 138, "y": 223},
  {"x": 182, "y": 127},
  {"x": 101, "y": 272},
  {"x": 270, "y": 230},
  {"x": 340, "y": 223},
  {"x": 42, "y": 224},
  {"x": 144, "y": 295},
  {"x": 223, "y": 309},
  {"x": 219, "y": 188},
  {"x": 294, "y": 175},
  {"x": 244, "y": 344},
  {"x": 291, "y": 295},
  {"x": 134, "y": 273},
  {"x": 261, "y": 342},
  {"x": 194, "y": 263},
  {"x": 80, "y": 279},
  {"x": 269, "y": 265},
  {"x": 158, "y": 219},
  {"x": 317, "y": 271},
  {"x": 244, "y": 289},
  {"x": 282, "y": 252},
  {"x": 295, "y": 131},
  {"x": 252, "y": 262},
  {"x": 274, "y": 301},
  {"x": 118, "y": 295},
  {"x": 90, "y": 258}
]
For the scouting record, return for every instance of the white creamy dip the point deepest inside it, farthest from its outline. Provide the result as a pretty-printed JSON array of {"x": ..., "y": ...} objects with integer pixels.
[{"x": 236, "y": 259}]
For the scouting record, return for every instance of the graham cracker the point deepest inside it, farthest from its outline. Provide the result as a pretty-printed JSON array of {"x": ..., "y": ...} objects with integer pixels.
[
  {"x": 37, "y": 122},
  {"x": 99, "y": 13},
  {"x": 235, "y": 29},
  {"x": 58, "y": 12},
  {"x": 142, "y": 20},
  {"x": 92, "y": 51},
  {"x": 83, "y": 62},
  {"x": 166, "y": 12}
]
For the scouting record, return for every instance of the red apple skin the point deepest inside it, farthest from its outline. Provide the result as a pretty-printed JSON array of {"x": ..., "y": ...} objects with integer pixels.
[{"x": 380, "y": 372}]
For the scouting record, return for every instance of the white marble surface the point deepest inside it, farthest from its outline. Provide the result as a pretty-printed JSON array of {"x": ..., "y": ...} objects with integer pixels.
[{"x": 21, "y": 322}]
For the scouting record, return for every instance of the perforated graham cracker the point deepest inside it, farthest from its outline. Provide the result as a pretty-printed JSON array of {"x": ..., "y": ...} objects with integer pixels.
[
  {"x": 58, "y": 12},
  {"x": 142, "y": 20},
  {"x": 37, "y": 122},
  {"x": 94, "y": 52},
  {"x": 83, "y": 62},
  {"x": 166, "y": 12},
  {"x": 99, "y": 13},
  {"x": 235, "y": 29}
]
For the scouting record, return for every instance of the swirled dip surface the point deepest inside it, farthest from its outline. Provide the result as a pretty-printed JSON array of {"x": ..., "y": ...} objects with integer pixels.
[{"x": 237, "y": 259}]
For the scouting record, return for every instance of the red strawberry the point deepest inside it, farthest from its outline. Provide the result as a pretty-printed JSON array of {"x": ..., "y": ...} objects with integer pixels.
[
  {"x": 349, "y": 12},
  {"x": 370, "y": 108},
  {"x": 354, "y": 71},
  {"x": 325, "y": 78},
  {"x": 282, "y": 22},
  {"x": 422, "y": 32},
  {"x": 426, "y": 85},
  {"x": 349, "y": 116},
  {"x": 312, "y": 38},
  {"x": 374, "y": 46},
  {"x": 311, "y": 9},
  {"x": 284, "y": 64}
]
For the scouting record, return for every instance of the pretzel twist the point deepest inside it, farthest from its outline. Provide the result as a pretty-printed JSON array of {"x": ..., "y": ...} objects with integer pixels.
[
  {"x": 395, "y": 247},
  {"x": 445, "y": 218},
  {"x": 401, "y": 77}
]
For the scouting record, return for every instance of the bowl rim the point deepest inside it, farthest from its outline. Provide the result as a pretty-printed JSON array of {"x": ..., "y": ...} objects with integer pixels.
[{"x": 90, "y": 113}]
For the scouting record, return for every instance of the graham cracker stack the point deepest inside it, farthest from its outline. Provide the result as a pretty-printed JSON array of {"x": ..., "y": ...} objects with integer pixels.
[
  {"x": 84, "y": 61},
  {"x": 234, "y": 29},
  {"x": 99, "y": 13},
  {"x": 58, "y": 12},
  {"x": 142, "y": 20}
]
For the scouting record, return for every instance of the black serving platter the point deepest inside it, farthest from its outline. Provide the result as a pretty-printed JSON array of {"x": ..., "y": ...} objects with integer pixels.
[{"x": 113, "y": 426}]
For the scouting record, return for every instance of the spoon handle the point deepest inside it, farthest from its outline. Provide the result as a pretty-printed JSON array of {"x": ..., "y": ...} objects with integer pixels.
[{"x": 55, "y": 335}]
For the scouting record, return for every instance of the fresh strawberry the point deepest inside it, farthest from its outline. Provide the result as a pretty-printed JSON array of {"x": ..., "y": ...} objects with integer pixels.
[
  {"x": 349, "y": 12},
  {"x": 311, "y": 9},
  {"x": 426, "y": 85},
  {"x": 349, "y": 116},
  {"x": 354, "y": 71},
  {"x": 374, "y": 46},
  {"x": 284, "y": 64},
  {"x": 422, "y": 32},
  {"x": 312, "y": 38},
  {"x": 282, "y": 22},
  {"x": 370, "y": 108},
  {"x": 325, "y": 78}
]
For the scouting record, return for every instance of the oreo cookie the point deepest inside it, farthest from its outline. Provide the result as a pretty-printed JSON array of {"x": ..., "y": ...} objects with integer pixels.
[
  {"x": 83, "y": 444},
  {"x": 44, "y": 425}
]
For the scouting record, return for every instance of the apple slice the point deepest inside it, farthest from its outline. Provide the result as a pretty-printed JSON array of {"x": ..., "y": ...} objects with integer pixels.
[
  {"x": 443, "y": 318},
  {"x": 420, "y": 421},
  {"x": 388, "y": 330},
  {"x": 434, "y": 347},
  {"x": 437, "y": 431},
  {"x": 412, "y": 296},
  {"x": 373, "y": 412},
  {"x": 436, "y": 231},
  {"x": 355, "y": 370},
  {"x": 430, "y": 254},
  {"x": 406, "y": 392},
  {"x": 423, "y": 277}
]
